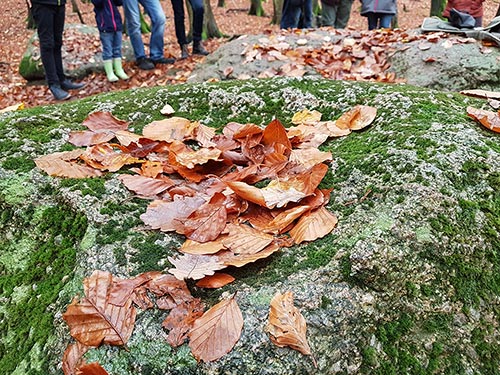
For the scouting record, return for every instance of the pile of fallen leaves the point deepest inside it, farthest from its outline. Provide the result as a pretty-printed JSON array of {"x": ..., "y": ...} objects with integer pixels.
[
  {"x": 237, "y": 196},
  {"x": 353, "y": 55}
]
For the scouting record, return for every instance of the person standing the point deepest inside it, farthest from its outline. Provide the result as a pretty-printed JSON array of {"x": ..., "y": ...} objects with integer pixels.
[
  {"x": 156, "y": 42},
  {"x": 109, "y": 23},
  {"x": 472, "y": 7},
  {"x": 336, "y": 13},
  {"x": 180, "y": 30},
  {"x": 296, "y": 14},
  {"x": 49, "y": 17},
  {"x": 378, "y": 12}
]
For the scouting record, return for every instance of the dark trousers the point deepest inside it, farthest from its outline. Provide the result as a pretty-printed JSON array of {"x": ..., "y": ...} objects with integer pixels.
[
  {"x": 50, "y": 25},
  {"x": 198, "y": 11}
]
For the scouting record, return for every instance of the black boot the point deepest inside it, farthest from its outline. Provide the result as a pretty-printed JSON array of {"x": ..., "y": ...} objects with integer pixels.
[
  {"x": 198, "y": 48},
  {"x": 184, "y": 51}
]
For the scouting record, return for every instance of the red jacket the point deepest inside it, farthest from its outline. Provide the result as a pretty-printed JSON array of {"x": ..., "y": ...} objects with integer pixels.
[{"x": 473, "y": 7}]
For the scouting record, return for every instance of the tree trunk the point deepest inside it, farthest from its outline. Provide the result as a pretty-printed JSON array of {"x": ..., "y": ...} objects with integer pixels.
[
  {"x": 210, "y": 28},
  {"x": 76, "y": 10},
  {"x": 256, "y": 8},
  {"x": 277, "y": 9},
  {"x": 437, "y": 7}
]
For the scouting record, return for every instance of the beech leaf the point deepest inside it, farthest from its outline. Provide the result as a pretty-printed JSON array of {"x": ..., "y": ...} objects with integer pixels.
[
  {"x": 313, "y": 225},
  {"x": 170, "y": 129},
  {"x": 65, "y": 164},
  {"x": 245, "y": 239},
  {"x": 357, "y": 118},
  {"x": 218, "y": 280},
  {"x": 180, "y": 320},
  {"x": 287, "y": 326},
  {"x": 216, "y": 332},
  {"x": 489, "y": 119},
  {"x": 146, "y": 186},
  {"x": 93, "y": 320},
  {"x": 93, "y": 368}
]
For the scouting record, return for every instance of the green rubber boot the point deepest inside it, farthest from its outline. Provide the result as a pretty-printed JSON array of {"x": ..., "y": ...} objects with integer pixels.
[
  {"x": 108, "y": 68},
  {"x": 117, "y": 66}
]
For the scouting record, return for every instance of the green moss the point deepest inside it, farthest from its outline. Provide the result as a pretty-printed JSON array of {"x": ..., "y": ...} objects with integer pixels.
[
  {"x": 19, "y": 164},
  {"x": 149, "y": 253},
  {"x": 14, "y": 190},
  {"x": 87, "y": 186},
  {"x": 35, "y": 285},
  {"x": 488, "y": 349}
]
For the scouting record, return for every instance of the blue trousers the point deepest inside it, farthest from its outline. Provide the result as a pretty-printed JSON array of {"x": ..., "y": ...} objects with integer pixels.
[
  {"x": 132, "y": 16},
  {"x": 379, "y": 20},
  {"x": 111, "y": 44},
  {"x": 296, "y": 14}
]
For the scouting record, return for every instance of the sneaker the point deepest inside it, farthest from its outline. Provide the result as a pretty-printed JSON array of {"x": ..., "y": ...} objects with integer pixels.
[
  {"x": 198, "y": 49},
  {"x": 164, "y": 60},
  {"x": 144, "y": 64},
  {"x": 59, "y": 93},
  {"x": 67, "y": 84}
]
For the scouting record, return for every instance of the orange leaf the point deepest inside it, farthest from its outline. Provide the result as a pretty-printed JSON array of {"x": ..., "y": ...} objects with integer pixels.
[
  {"x": 170, "y": 129},
  {"x": 93, "y": 320},
  {"x": 285, "y": 218},
  {"x": 208, "y": 221},
  {"x": 275, "y": 132},
  {"x": 100, "y": 121},
  {"x": 243, "y": 239},
  {"x": 189, "y": 158},
  {"x": 309, "y": 157},
  {"x": 146, "y": 186},
  {"x": 198, "y": 248},
  {"x": 217, "y": 331},
  {"x": 91, "y": 369},
  {"x": 239, "y": 260},
  {"x": 287, "y": 326},
  {"x": 215, "y": 281},
  {"x": 72, "y": 357},
  {"x": 488, "y": 119},
  {"x": 357, "y": 118},
  {"x": 314, "y": 225},
  {"x": 306, "y": 117},
  {"x": 88, "y": 138},
  {"x": 64, "y": 164}
]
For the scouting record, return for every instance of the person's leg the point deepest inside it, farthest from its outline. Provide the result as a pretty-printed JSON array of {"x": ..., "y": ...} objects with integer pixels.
[
  {"x": 58, "y": 41},
  {"x": 117, "y": 56},
  {"x": 156, "y": 42},
  {"x": 133, "y": 20},
  {"x": 479, "y": 21},
  {"x": 107, "y": 55},
  {"x": 328, "y": 14},
  {"x": 372, "y": 20},
  {"x": 307, "y": 9},
  {"x": 343, "y": 14},
  {"x": 180, "y": 30},
  {"x": 385, "y": 20},
  {"x": 44, "y": 18},
  {"x": 290, "y": 15},
  {"x": 198, "y": 12}
]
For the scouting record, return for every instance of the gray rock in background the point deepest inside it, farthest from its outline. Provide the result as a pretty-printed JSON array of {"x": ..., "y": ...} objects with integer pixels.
[{"x": 77, "y": 62}]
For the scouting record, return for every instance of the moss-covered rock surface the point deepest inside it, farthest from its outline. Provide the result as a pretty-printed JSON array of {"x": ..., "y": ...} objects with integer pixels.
[{"x": 408, "y": 282}]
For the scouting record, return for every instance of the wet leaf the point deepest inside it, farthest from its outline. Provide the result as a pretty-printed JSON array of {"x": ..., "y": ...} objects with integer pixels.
[{"x": 217, "y": 331}]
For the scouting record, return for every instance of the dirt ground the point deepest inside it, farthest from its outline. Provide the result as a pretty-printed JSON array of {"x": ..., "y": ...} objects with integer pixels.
[{"x": 231, "y": 19}]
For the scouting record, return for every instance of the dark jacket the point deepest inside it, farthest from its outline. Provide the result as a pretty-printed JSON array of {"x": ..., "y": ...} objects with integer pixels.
[
  {"x": 378, "y": 6},
  {"x": 473, "y": 7},
  {"x": 107, "y": 15}
]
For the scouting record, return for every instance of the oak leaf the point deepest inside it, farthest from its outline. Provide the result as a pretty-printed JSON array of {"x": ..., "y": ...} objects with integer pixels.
[
  {"x": 287, "y": 326},
  {"x": 216, "y": 332},
  {"x": 489, "y": 119},
  {"x": 194, "y": 267}
]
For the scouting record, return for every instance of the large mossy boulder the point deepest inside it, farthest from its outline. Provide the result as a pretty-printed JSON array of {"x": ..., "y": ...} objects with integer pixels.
[{"x": 408, "y": 282}]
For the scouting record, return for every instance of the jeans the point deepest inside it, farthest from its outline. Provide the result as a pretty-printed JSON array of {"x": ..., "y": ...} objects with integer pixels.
[
  {"x": 132, "y": 17},
  {"x": 337, "y": 15},
  {"x": 50, "y": 28},
  {"x": 379, "y": 20},
  {"x": 198, "y": 11},
  {"x": 296, "y": 14},
  {"x": 111, "y": 45}
]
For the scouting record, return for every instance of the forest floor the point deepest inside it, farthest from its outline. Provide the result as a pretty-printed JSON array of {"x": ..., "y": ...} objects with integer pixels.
[{"x": 233, "y": 19}]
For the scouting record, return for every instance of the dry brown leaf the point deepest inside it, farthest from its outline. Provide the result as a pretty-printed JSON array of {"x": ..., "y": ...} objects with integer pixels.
[
  {"x": 206, "y": 248},
  {"x": 275, "y": 132},
  {"x": 218, "y": 280},
  {"x": 93, "y": 320},
  {"x": 357, "y": 118},
  {"x": 217, "y": 331},
  {"x": 101, "y": 121},
  {"x": 309, "y": 157},
  {"x": 481, "y": 93},
  {"x": 93, "y": 368},
  {"x": 243, "y": 239},
  {"x": 313, "y": 225},
  {"x": 194, "y": 267},
  {"x": 72, "y": 357},
  {"x": 239, "y": 260},
  {"x": 287, "y": 326},
  {"x": 146, "y": 186},
  {"x": 65, "y": 164},
  {"x": 89, "y": 138},
  {"x": 208, "y": 221},
  {"x": 284, "y": 219},
  {"x": 181, "y": 320},
  {"x": 489, "y": 119},
  {"x": 170, "y": 129}
]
